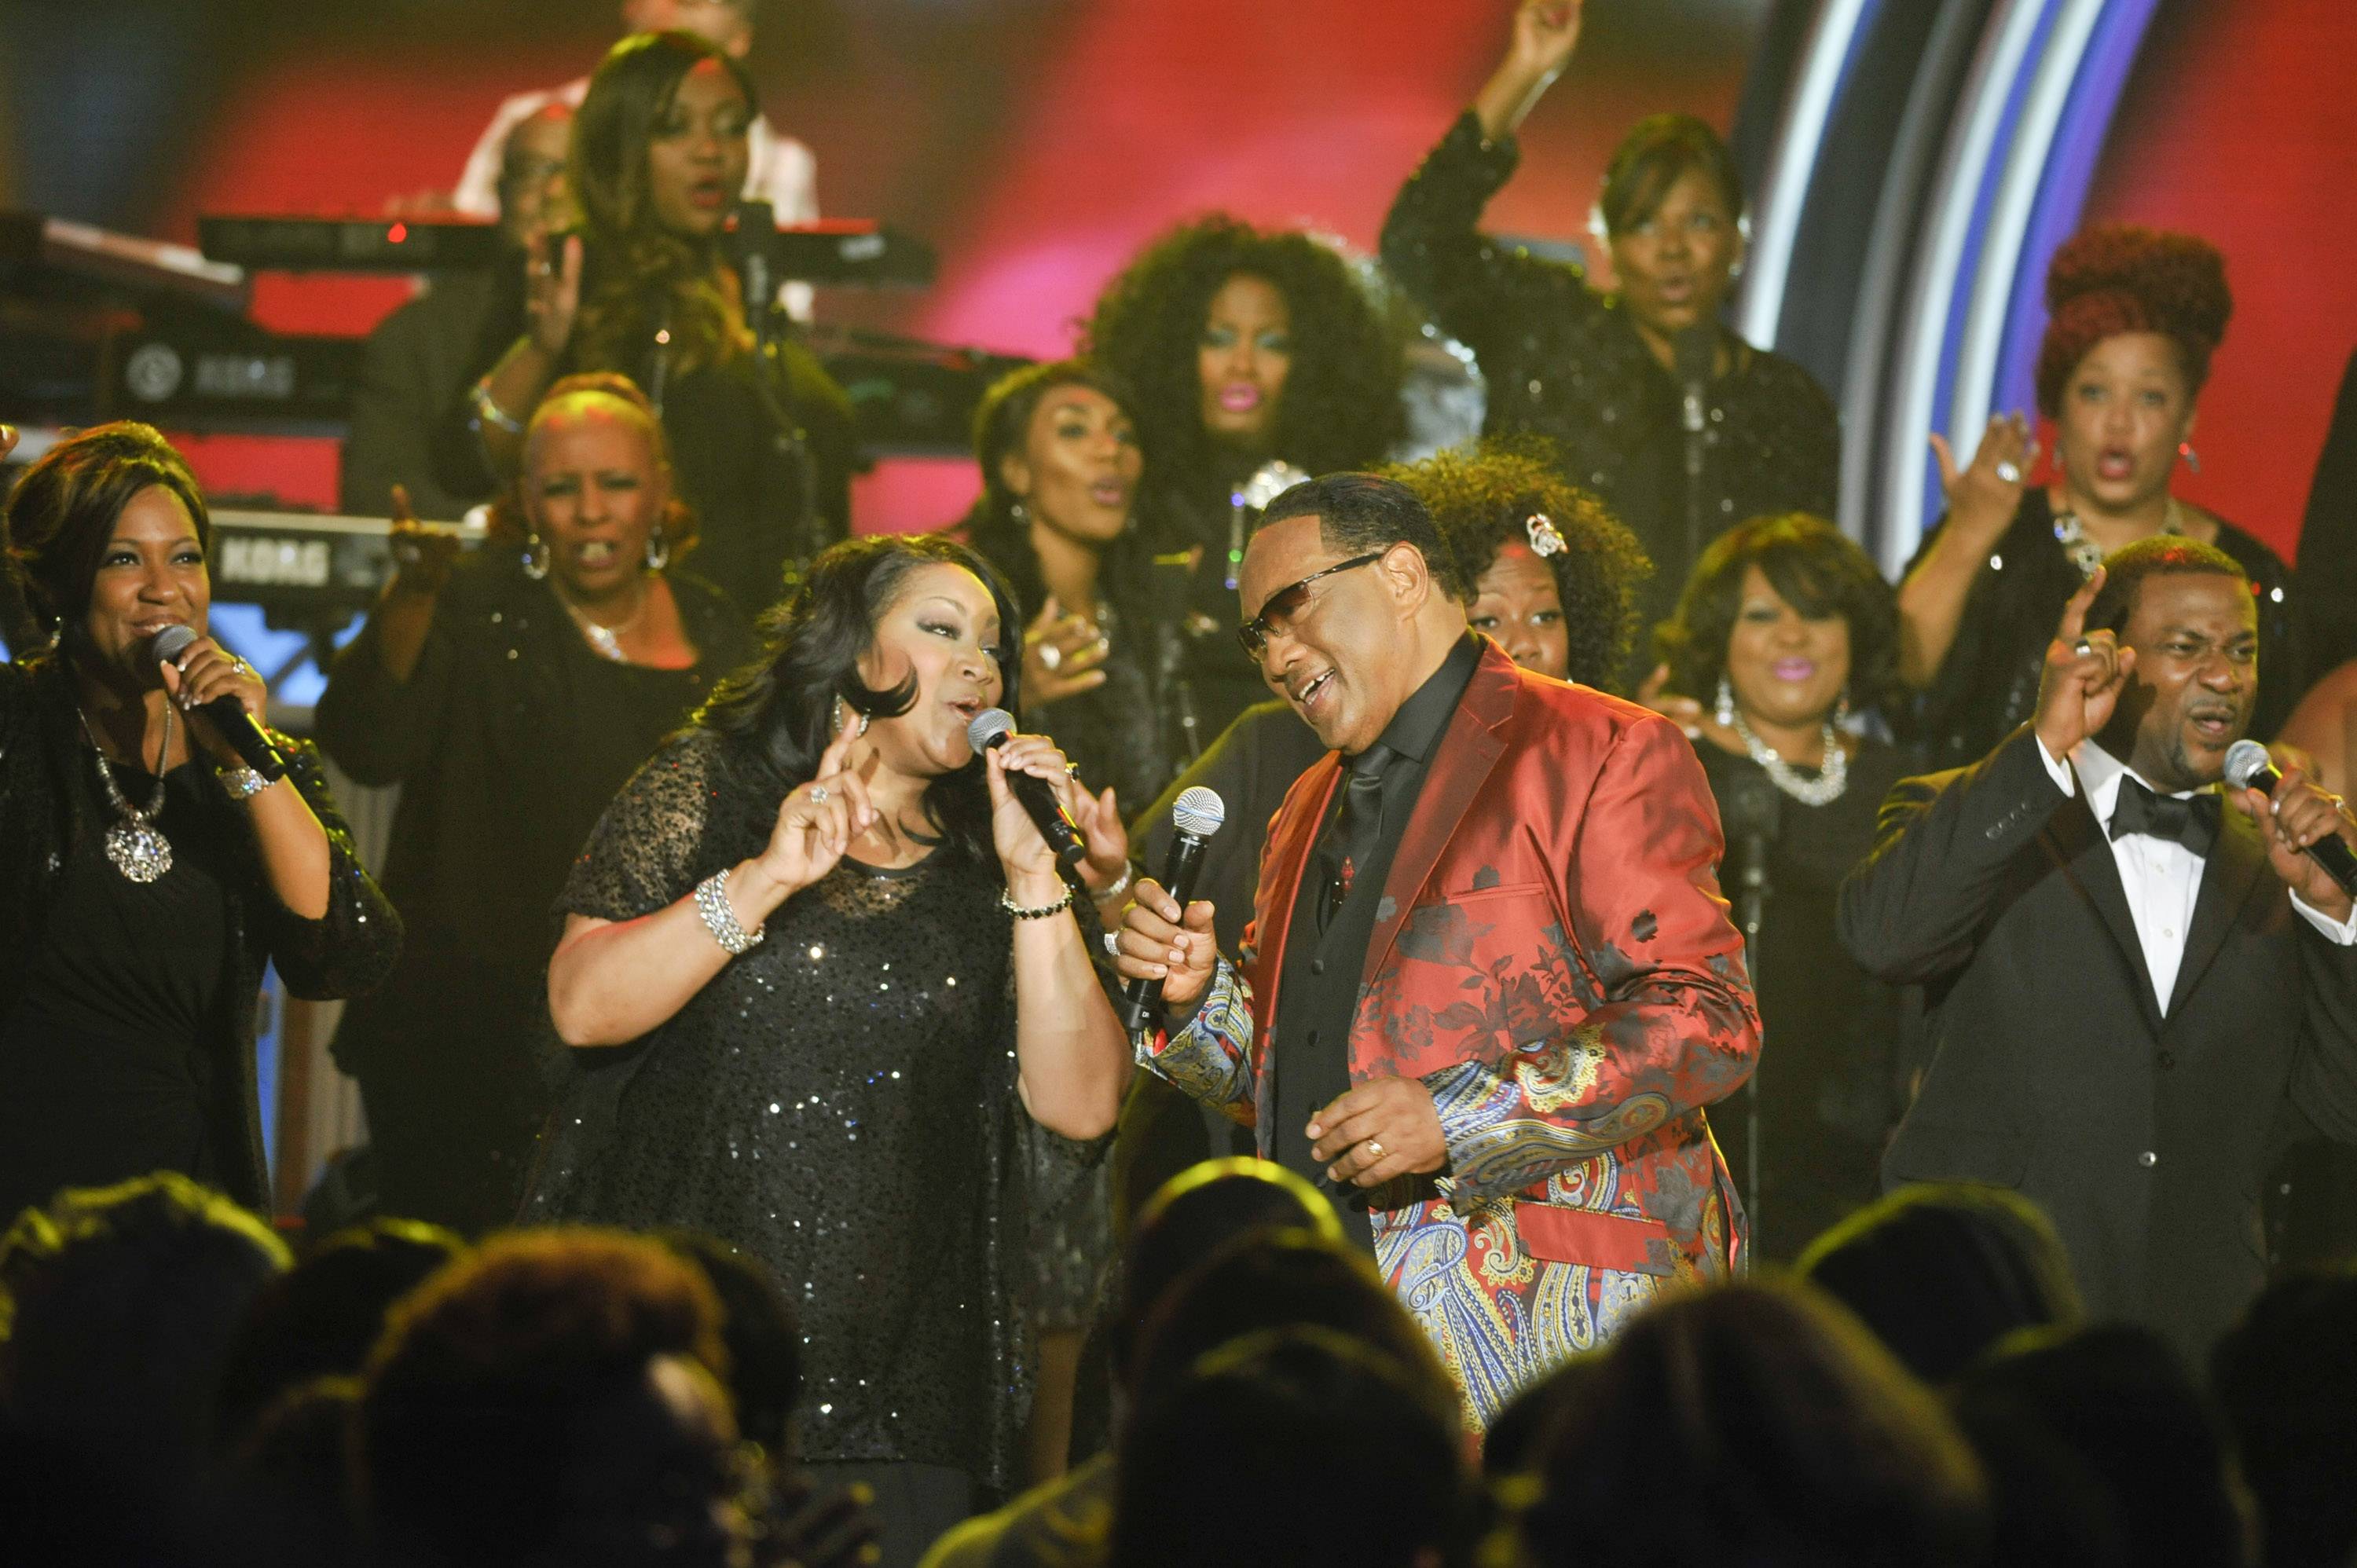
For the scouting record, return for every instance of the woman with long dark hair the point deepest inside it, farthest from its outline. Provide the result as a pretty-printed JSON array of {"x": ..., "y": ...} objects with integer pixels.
[
  {"x": 843, "y": 967},
  {"x": 151, "y": 871},
  {"x": 644, "y": 289},
  {"x": 1258, "y": 358}
]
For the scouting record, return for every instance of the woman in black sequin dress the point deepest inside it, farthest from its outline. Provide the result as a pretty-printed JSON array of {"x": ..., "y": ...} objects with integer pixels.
[
  {"x": 843, "y": 1099},
  {"x": 1597, "y": 373}
]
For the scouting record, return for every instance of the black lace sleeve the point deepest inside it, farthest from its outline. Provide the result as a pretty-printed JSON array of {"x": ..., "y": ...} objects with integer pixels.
[
  {"x": 644, "y": 853},
  {"x": 352, "y": 946}
]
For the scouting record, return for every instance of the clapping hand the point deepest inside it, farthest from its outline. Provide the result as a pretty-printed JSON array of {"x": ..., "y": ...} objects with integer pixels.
[{"x": 2085, "y": 673}]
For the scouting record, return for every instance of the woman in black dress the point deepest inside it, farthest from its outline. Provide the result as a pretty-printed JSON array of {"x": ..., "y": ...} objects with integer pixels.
[
  {"x": 841, "y": 1098},
  {"x": 1599, "y": 374},
  {"x": 763, "y": 437},
  {"x": 2136, "y": 315},
  {"x": 1790, "y": 630},
  {"x": 1258, "y": 358},
  {"x": 151, "y": 871},
  {"x": 510, "y": 695}
]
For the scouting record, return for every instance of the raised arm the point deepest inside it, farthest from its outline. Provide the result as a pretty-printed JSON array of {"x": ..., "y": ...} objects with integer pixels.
[
  {"x": 1546, "y": 33},
  {"x": 386, "y": 700},
  {"x": 1983, "y": 498}
]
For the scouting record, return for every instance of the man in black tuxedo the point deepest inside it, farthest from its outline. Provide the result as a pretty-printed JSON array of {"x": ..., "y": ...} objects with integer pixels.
[{"x": 2132, "y": 993}]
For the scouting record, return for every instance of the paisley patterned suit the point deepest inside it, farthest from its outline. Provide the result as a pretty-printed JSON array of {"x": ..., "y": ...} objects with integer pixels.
[{"x": 1552, "y": 960}]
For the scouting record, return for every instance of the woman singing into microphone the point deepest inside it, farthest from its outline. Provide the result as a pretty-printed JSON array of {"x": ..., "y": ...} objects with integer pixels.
[
  {"x": 150, "y": 873},
  {"x": 844, "y": 963}
]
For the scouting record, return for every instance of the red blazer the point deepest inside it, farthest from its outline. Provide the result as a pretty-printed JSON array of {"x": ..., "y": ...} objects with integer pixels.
[{"x": 1552, "y": 960}]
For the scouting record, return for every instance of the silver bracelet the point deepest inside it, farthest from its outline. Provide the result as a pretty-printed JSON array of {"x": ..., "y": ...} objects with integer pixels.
[
  {"x": 1006, "y": 902},
  {"x": 487, "y": 410},
  {"x": 711, "y": 903},
  {"x": 242, "y": 783},
  {"x": 1116, "y": 887}
]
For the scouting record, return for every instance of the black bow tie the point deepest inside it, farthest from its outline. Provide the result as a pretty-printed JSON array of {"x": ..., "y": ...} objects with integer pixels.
[{"x": 2191, "y": 821}]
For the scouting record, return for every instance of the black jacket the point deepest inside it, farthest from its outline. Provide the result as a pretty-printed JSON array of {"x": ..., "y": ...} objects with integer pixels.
[{"x": 2053, "y": 1070}]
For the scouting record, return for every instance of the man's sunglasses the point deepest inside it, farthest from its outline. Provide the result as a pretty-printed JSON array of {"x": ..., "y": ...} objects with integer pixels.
[{"x": 1276, "y": 611}]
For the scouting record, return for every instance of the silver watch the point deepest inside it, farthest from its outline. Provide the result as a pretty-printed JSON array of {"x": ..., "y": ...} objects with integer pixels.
[{"x": 242, "y": 783}]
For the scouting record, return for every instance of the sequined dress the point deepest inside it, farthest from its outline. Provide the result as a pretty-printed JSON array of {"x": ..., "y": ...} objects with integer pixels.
[{"x": 840, "y": 1102}]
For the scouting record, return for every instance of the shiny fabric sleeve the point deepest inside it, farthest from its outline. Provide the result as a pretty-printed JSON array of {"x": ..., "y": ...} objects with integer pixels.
[
  {"x": 1668, "y": 1022},
  {"x": 1475, "y": 288},
  {"x": 1210, "y": 1059},
  {"x": 352, "y": 946}
]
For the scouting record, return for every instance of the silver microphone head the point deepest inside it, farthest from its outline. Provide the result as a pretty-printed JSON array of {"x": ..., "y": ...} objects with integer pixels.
[
  {"x": 1199, "y": 812},
  {"x": 2246, "y": 761},
  {"x": 989, "y": 725},
  {"x": 173, "y": 642}
]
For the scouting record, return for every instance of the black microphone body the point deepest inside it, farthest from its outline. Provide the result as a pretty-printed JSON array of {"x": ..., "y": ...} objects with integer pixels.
[
  {"x": 227, "y": 715},
  {"x": 990, "y": 728},
  {"x": 2254, "y": 769},
  {"x": 1694, "y": 353},
  {"x": 1180, "y": 867}
]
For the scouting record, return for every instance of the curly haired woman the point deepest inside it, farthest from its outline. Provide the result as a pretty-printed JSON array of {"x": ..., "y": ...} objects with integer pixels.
[{"x": 1246, "y": 347}]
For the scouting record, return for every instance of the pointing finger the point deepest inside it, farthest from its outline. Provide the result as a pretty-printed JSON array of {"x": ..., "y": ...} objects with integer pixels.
[{"x": 2074, "y": 614}]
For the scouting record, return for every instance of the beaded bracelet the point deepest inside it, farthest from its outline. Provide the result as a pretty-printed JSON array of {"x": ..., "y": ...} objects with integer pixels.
[
  {"x": 1006, "y": 902},
  {"x": 711, "y": 903}
]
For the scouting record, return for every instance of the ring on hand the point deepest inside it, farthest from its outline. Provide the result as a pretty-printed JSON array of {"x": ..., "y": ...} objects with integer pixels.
[
  {"x": 1374, "y": 1150},
  {"x": 2083, "y": 646},
  {"x": 818, "y": 794},
  {"x": 2009, "y": 472},
  {"x": 1112, "y": 943},
  {"x": 1050, "y": 656},
  {"x": 1072, "y": 769}
]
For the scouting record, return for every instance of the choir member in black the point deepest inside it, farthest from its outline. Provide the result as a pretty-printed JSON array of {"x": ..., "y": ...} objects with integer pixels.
[
  {"x": 510, "y": 694},
  {"x": 1599, "y": 373},
  {"x": 411, "y": 417},
  {"x": 2328, "y": 538},
  {"x": 2135, "y": 316},
  {"x": 847, "y": 968},
  {"x": 151, "y": 871},
  {"x": 1258, "y": 358},
  {"x": 1790, "y": 629},
  {"x": 645, "y": 289}
]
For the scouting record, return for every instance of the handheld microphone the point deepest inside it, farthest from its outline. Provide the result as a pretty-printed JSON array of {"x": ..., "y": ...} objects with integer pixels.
[
  {"x": 227, "y": 713},
  {"x": 1197, "y": 816},
  {"x": 2248, "y": 767},
  {"x": 991, "y": 727}
]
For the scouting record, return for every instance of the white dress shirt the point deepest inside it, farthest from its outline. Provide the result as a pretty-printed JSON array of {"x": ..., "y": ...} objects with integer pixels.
[{"x": 2162, "y": 877}]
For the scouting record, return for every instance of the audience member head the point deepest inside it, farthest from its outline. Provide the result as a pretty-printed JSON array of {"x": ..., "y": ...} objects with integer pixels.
[
  {"x": 283, "y": 1497},
  {"x": 2134, "y": 316},
  {"x": 1246, "y": 343},
  {"x": 1540, "y": 564},
  {"x": 760, "y": 1332},
  {"x": 1058, "y": 447},
  {"x": 1942, "y": 1271},
  {"x": 905, "y": 637},
  {"x": 552, "y": 1399},
  {"x": 126, "y": 1300},
  {"x": 1196, "y": 1213},
  {"x": 107, "y": 535},
  {"x": 1754, "y": 1423},
  {"x": 1328, "y": 1454},
  {"x": 531, "y": 176},
  {"x": 727, "y": 23},
  {"x": 320, "y": 1319},
  {"x": 2188, "y": 610},
  {"x": 1348, "y": 603},
  {"x": 1672, "y": 214},
  {"x": 594, "y": 505},
  {"x": 2117, "y": 1399},
  {"x": 1790, "y": 619},
  {"x": 2285, "y": 1379}
]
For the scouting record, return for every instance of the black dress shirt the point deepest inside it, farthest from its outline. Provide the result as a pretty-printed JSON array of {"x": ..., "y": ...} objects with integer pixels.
[{"x": 1317, "y": 988}]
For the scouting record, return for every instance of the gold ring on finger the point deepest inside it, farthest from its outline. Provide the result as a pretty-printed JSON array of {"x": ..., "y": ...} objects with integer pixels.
[{"x": 1374, "y": 1150}]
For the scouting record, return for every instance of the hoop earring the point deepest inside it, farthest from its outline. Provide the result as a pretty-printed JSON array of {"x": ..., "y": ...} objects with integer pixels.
[
  {"x": 841, "y": 721},
  {"x": 535, "y": 557},
  {"x": 1723, "y": 709},
  {"x": 658, "y": 550},
  {"x": 1841, "y": 709},
  {"x": 1014, "y": 510}
]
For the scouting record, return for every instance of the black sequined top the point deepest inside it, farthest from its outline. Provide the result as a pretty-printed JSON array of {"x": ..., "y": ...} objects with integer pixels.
[
  {"x": 1562, "y": 361},
  {"x": 839, "y": 1102},
  {"x": 1987, "y": 686}
]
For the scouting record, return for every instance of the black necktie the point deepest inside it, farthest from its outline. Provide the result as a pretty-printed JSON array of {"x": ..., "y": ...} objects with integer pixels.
[
  {"x": 1357, "y": 830},
  {"x": 2191, "y": 821}
]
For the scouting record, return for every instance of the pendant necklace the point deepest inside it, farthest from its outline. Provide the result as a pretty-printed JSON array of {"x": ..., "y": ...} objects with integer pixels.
[
  {"x": 132, "y": 844},
  {"x": 2085, "y": 554},
  {"x": 608, "y": 640}
]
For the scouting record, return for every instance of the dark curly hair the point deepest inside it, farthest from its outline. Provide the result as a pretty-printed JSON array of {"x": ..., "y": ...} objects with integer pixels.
[
  {"x": 64, "y": 509},
  {"x": 774, "y": 715},
  {"x": 1483, "y": 498},
  {"x": 636, "y": 276},
  {"x": 1001, "y": 423},
  {"x": 2126, "y": 569},
  {"x": 1340, "y": 408},
  {"x": 1816, "y": 569},
  {"x": 2119, "y": 278},
  {"x": 509, "y": 526}
]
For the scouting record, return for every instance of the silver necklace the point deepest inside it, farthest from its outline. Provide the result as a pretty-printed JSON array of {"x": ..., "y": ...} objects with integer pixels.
[
  {"x": 1823, "y": 790},
  {"x": 133, "y": 844},
  {"x": 608, "y": 640},
  {"x": 2085, "y": 554}
]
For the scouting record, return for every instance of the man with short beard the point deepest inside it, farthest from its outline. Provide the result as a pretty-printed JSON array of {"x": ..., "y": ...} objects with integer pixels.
[{"x": 2130, "y": 992}]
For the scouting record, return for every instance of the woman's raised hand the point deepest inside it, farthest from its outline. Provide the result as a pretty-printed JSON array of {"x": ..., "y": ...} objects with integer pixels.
[
  {"x": 1546, "y": 33},
  {"x": 1984, "y": 495},
  {"x": 1688, "y": 712},
  {"x": 816, "y": 823},
  {"x": 1063, "y": 655},
  {"x": 552, "y": 295},
  {"x": 422, "y": 555},
  {"x": 1028, "y": 860}
]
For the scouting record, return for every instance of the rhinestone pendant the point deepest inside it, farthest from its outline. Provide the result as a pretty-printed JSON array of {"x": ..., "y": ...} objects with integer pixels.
[{"x": 138, "y": 851}]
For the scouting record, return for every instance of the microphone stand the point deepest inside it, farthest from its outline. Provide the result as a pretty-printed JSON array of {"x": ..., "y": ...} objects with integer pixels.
[
  {"x": 1752, "y": 812},
  {"x": 752, "y": 234}
]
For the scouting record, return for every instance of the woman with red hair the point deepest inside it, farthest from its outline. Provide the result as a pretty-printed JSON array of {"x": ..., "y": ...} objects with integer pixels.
[{"x": 2135, "y": 316}]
